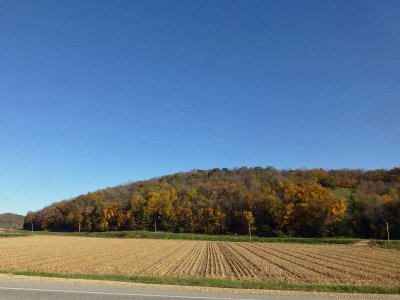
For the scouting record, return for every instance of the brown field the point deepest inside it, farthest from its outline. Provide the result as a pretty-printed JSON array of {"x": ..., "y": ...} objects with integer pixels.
[{"x": 295, "y": 263}]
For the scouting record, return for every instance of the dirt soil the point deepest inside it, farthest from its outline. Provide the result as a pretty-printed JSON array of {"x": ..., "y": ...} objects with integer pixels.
[{"x": 295, "y": 263}]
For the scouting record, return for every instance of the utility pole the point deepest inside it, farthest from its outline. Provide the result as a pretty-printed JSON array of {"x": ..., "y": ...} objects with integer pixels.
[
  {"x": 387, "y": 230},
  {"x": 249, "y": 232},
  {"x": 79, "y": 227},
  {"x": 155, "y": 227},
  {"x": 32, "y": 226}
]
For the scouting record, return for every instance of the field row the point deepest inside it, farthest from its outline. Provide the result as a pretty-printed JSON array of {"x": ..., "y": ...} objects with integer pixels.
[{"x": 295, "y": 263}]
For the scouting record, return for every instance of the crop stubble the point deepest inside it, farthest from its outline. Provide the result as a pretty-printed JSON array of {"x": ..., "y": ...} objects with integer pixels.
[{"x": 294, "y": 263}]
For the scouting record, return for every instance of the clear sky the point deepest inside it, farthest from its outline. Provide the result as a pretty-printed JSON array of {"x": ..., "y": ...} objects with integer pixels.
[{"x": 100, "y": 93}]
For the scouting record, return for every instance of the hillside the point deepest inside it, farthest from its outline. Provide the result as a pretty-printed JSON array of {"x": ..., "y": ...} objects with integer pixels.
[
  {"x": 271, "y": 202},
  {"x": 11, "y": 221}
]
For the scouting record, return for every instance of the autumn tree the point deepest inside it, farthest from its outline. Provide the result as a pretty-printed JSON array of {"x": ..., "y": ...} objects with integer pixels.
[{"x": 275, "y": 203}]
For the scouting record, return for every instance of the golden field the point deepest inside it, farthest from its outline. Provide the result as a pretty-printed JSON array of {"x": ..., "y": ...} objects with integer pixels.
[{"x": 275, "y": 262}]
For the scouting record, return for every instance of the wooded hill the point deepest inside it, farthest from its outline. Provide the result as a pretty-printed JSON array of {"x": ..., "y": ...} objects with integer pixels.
[
  {"x": 313, "y": 202},
  {"x": 11, "y": 221}
]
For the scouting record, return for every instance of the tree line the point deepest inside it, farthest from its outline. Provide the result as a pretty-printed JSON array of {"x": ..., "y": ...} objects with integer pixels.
[
  {"x": 11, "y": 221},
  {"x": 271, "y": 202}
]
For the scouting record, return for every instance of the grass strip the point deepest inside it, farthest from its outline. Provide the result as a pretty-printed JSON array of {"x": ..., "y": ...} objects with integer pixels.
[
  {"x": 395, "y": 244},
  {"x": 141, "y": 234},
  {"x": 222, "y": 283},
  {"x": 7, "y": 235}
]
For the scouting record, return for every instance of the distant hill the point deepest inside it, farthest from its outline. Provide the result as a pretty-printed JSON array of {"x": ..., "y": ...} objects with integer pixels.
[
  {"x": 313, "y": 202},
  {"x": 11, "y": 221}
]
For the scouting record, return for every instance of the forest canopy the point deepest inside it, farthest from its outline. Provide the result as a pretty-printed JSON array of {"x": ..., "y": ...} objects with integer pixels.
[
  {"x": 11, "y": 221},
  {"x": 304, "y": 202}
]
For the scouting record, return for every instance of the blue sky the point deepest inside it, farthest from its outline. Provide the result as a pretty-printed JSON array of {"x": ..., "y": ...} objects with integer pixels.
[{"x": 100, "y": 93}]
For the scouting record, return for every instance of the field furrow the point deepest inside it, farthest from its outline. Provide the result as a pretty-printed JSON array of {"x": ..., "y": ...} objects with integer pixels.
[
  {"x": 185, "y": 265},
  {"x": 342, "y": 264},
  {"x": 297, "y": 273},
  {"x": 364, "y": 259},
  {"x": 274, "y": 262},
  {"x": 329, "y": 267}
]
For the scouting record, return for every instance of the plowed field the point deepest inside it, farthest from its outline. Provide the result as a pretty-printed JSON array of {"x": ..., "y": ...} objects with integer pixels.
[{"x": 295, "y": 263}]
